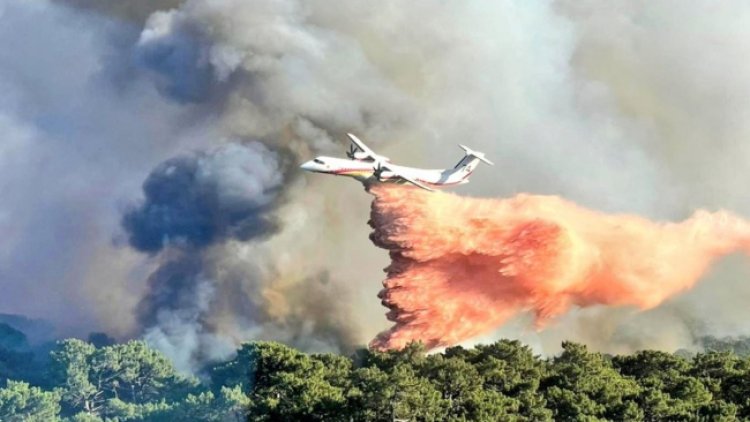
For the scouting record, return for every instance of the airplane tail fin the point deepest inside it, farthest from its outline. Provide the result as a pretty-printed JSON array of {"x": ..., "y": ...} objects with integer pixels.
[{"x": 476, "y": 154}]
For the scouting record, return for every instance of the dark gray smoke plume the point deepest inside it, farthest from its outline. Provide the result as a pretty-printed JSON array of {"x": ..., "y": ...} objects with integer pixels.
[
  {"x": 178, "y": 63},
  {"x": 195, "y": 207},
  {"x": 195, "y": 200},
  {"x": 274, "y": 83}
]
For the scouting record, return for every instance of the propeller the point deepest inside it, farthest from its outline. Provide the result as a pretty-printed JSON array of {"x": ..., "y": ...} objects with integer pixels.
[
  {"x": 378, "y": 173},
  {"x": 351, "y": 152}
]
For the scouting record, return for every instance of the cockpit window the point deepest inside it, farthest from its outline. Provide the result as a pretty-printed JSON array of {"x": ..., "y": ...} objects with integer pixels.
[{"x": 317, "y": 160}]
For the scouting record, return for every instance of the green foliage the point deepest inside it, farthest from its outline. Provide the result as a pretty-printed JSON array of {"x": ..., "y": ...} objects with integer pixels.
[
  {"x": 667, "y": 392},
  {"x": 290, "y": 385},
  {"x": 462, "y": 389},
  {"x": 69, "y": 370},
  {"x": 12, "y": 339},
  {"x": 737, "y": 345},
  {"x": 267, "y": 381},
  {"x": 84, "y": 417},
  {"x": 16, "y": 365},
  {"x": 20, "y": 402},
  {"x": 727, "y": 378},
  {"x": 134, "y": 372},
  {"x": 584, "y": 386},
  {"x": 397, "y": 394},
  {"x": 16, "y": 359},
  {"x": 121, "y": 411},
  {"x": 111, "y": 380},
  {"x": 511, "y": 368}
]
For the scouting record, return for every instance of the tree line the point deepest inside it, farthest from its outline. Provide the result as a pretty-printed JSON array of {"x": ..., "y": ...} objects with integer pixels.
[{"x": 83, "y": 381}]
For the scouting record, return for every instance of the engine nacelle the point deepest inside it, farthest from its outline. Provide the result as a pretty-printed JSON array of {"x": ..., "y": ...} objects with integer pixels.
[{"x": 361, "y": 155}]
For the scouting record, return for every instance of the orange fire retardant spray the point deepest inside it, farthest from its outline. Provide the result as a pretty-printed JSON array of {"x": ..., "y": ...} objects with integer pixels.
[{"x": 461, "y": 267}]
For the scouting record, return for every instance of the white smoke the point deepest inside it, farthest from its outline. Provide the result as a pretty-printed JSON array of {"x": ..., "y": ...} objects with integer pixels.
[
  {"x": 284, "y": 72},
  {"x": 179, "y": 333},
  {"x": 72, "y": 147}
]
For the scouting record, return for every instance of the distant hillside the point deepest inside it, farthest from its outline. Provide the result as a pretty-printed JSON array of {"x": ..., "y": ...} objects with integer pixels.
[
  {"x": 37, "y": 331},
  {"x": 739, "y": 345},
  {"x": 12, "y": 339}
]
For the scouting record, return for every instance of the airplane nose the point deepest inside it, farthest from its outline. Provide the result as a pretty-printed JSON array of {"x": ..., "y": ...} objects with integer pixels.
[{"x": 308, "y": 165}]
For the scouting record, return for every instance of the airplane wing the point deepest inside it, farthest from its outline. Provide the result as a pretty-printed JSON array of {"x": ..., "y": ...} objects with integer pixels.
[
  {"x": 415, "y": 183},
  {"x": 361, "y": 145},
  {"x": 408, "y": 179},
  {"x": 367, "y": 151}
]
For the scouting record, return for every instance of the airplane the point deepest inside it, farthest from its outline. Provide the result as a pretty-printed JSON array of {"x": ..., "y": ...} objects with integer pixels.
[{"x": 366, "y": 166}]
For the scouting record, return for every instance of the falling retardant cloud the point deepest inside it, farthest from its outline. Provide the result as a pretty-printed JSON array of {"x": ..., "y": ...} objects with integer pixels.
[{"x": 461, "y": 267}]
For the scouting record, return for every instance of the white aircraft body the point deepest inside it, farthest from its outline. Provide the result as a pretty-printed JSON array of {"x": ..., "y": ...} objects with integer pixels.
[{"x": 366, "y": 166}]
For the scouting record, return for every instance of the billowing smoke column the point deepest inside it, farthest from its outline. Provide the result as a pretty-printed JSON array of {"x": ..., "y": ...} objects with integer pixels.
[
  {"x": 462, "y": 266},
  {"x": 205, "y": 218},
  {"x": 192, "y": 202},
  {"x": 232, "y": 256}
]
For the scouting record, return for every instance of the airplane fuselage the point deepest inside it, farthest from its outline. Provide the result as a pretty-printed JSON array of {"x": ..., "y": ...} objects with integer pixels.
[
  {"x": 366, "y": 166},
  {"x": 364, "y": 171}
]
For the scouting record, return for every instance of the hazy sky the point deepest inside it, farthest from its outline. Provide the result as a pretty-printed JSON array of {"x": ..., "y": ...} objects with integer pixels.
[{"x": 625, "y": 106}]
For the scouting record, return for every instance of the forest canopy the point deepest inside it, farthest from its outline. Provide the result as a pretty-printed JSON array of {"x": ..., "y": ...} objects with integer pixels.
[{"x": 97, "y": 380}]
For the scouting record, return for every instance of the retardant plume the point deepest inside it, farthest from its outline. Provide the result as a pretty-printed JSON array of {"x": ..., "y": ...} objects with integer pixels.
[{"x": 463, "y": 266}]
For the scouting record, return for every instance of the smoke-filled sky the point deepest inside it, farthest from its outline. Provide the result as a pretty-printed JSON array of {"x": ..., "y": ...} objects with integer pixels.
[{"x": 148, "y": 152}]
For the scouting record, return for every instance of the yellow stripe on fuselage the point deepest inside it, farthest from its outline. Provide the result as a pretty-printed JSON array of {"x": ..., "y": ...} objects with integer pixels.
[{"x": 356, "y": 173}]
